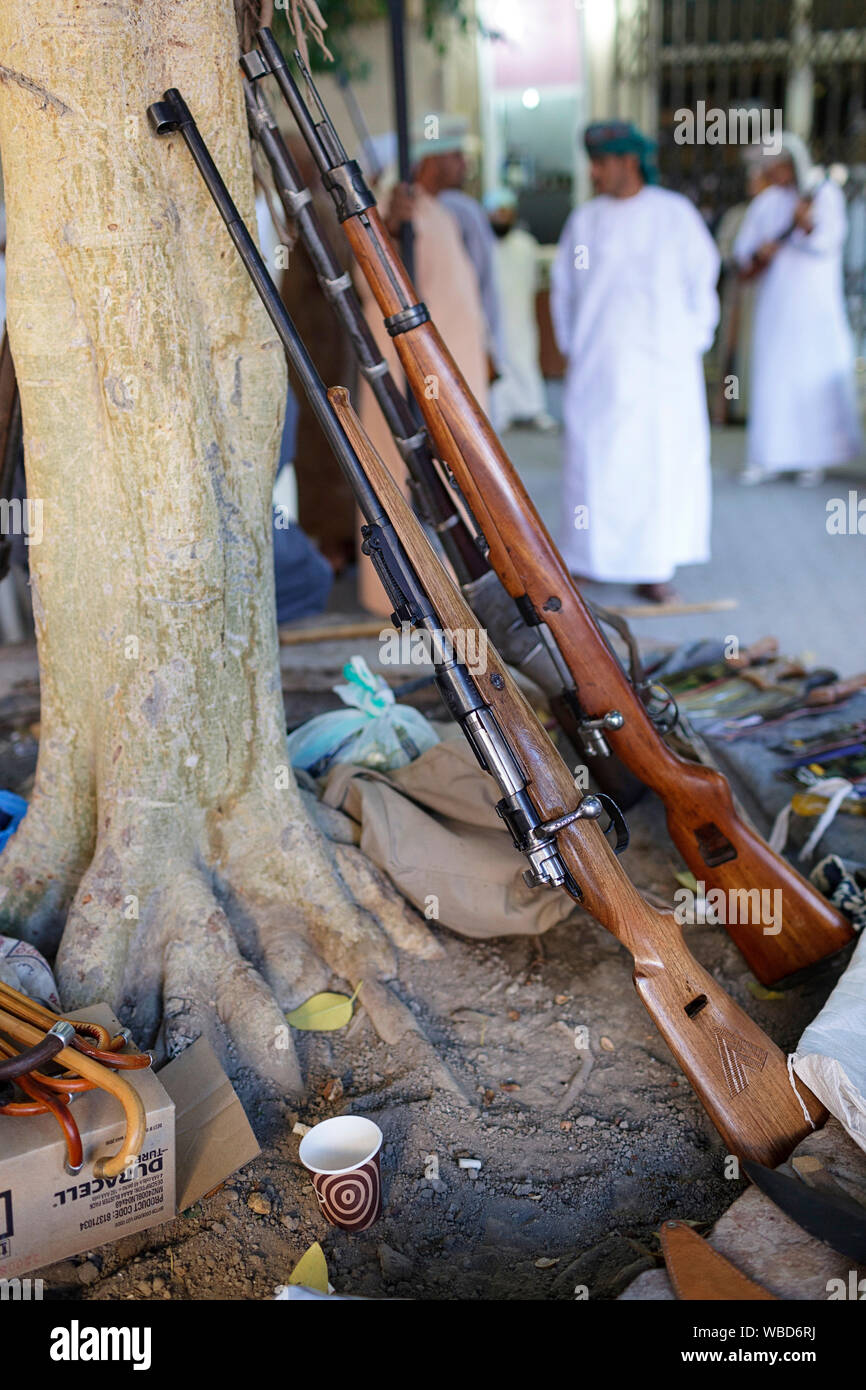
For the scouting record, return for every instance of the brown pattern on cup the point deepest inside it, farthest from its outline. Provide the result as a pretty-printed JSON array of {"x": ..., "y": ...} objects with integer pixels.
[{"x": 353, "y": 1200}]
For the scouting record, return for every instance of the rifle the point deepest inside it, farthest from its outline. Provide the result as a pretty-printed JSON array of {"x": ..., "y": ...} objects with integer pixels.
[
  {"x": 756, "y": 265},
  {"x": 715, "y": 842},
  {"x": 739, "y": 1075},
  {"x": 521, "y": 645},
  {"x": 10, "y": 441}
]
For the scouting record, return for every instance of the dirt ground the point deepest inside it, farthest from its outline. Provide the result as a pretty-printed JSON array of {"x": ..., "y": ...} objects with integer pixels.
[{"x": 584, "y": 1152}]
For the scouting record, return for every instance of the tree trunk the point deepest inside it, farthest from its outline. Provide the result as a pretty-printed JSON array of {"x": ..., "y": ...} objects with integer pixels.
[{"x": 166, "y": 843}]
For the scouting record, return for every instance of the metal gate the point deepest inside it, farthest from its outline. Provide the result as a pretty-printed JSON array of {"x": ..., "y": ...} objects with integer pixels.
[{"x": 805, "y": 58}]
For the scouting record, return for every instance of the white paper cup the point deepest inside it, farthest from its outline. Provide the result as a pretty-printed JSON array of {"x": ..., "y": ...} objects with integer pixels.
[{"x": 343, "y": 1156}]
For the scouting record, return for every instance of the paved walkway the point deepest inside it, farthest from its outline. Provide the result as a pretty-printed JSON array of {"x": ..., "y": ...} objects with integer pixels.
[{"x": 771, "y": 551}]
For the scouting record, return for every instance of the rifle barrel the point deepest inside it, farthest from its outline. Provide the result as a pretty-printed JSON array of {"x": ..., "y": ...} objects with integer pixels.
[{"x": 397, "y": 26}]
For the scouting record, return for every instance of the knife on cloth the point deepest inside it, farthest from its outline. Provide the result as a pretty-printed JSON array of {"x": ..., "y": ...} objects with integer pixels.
[{"x": 836, "y": 1219}]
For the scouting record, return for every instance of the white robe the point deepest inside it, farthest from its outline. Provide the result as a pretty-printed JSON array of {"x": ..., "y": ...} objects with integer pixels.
[
  {"x": 634, "y": 306},
  {"x": 518, "y": 394},
  {"x": 803, "y": 403}
]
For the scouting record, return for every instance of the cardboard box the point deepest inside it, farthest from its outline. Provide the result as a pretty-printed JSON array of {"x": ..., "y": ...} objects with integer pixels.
[
  {"x": 46, "y": 1215},
  {"x": 213, "y": 1137}
]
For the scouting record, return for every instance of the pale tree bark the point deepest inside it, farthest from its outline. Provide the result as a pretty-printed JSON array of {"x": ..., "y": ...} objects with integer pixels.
[{"x": 165, "y": 849}]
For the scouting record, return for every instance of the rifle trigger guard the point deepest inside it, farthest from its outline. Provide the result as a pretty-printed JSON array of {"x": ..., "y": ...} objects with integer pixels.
[
  {"x": 666, "y": 715},
  {"x": 616, "y": 821}
]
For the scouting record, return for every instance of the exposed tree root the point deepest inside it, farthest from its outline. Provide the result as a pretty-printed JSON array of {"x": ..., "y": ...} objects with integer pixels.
[{"x": 224, "y": 948}]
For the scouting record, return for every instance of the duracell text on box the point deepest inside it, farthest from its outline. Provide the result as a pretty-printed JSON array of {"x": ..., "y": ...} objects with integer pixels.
[{"x": 46, "y": 1215}]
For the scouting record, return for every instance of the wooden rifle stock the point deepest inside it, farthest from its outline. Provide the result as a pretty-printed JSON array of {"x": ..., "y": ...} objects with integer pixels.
[
  {"x": 739, "y": 1075},
  {"x": 719, "y": 848}
]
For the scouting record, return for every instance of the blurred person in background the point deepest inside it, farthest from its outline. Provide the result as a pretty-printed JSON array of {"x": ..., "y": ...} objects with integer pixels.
[
  {"x": 440, "y": 168},
  {"x": 447, "y": 283},
  {"x": 803, "y": 415},
  {"x": 634, "y": 305},
  {"x": 517, "y": 396},
  {"x": 734, "y": 341}
]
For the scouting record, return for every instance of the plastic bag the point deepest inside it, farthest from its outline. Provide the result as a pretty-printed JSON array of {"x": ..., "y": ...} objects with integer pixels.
[
  {"x": 374, "y": 731},
  {"x": 831, "y": 1054}
]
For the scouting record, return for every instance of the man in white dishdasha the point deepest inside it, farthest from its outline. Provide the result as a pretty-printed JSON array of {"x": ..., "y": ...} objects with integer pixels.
[{"x": 634, "y": 307}]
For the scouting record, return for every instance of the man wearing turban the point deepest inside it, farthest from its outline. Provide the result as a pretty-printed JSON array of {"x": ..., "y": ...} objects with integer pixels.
[
  {"x": 803, "y": 415},
  {"x": 634, "y": 304}
]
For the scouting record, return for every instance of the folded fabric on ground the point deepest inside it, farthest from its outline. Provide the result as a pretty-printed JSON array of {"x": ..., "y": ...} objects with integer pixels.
[
  {"x": 752, "y": 765},
  {"x": 432, "y": 828}
]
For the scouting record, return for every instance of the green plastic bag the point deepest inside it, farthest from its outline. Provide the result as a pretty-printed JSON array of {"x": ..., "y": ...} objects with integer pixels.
[{"x": 373, "y": 731}]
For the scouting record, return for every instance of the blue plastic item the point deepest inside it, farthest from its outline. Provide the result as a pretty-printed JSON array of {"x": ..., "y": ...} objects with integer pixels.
[
  {"x": 13, "y": 809},
  {"x": 374, "y": 732}
]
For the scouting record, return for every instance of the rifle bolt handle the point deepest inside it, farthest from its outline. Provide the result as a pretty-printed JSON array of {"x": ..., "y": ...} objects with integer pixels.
[
  {"x": 612, "y": 720},
  {"x": 590, "y": 808}
]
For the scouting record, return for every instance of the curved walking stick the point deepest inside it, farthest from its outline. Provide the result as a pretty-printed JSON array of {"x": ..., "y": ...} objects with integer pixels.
[{"x": 100, "y": 1076}]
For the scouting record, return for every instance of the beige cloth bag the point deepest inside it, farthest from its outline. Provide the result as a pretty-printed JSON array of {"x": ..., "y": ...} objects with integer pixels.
[{"x": 432, "y": 827}]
